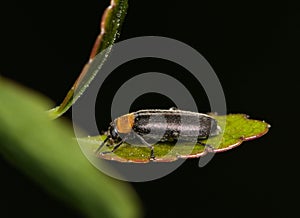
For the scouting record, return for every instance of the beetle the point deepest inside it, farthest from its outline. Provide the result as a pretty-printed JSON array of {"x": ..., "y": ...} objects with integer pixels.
[{"x": 160, "y": 125}]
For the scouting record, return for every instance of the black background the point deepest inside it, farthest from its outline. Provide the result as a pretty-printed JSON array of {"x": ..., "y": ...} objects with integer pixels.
[{"x": 250, "y": 45}]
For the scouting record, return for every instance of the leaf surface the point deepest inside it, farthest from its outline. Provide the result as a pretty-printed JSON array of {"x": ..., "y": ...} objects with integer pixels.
[{"x": 238, "y": 128}]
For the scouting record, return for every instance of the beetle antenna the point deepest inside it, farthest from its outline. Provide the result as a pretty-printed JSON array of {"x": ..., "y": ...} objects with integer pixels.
[{"x": 103, "y": 143}]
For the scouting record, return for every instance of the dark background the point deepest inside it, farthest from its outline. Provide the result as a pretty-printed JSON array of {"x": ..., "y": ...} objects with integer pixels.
[{"x": 250, "y": 44}]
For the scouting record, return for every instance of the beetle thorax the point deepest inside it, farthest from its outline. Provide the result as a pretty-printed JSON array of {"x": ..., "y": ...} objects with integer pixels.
[{"x": 125, "y": 123}]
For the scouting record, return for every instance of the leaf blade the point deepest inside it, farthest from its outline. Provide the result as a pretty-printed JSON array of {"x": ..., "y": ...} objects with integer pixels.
[
  {"x": 110, "y": 26},
  {"x": 238, "y": 128},
  {"x": 45, "y": 151}
]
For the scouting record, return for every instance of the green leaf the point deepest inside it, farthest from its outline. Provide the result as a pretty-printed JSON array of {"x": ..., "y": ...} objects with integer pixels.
[
  {"x": 46, "y": 152},
  {"x": 238, "y": 128},
  {"x": 111, "y": 23}
]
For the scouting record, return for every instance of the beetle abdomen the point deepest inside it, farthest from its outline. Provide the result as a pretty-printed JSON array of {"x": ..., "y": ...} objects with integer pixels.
[{"x": 169, "y": 125}]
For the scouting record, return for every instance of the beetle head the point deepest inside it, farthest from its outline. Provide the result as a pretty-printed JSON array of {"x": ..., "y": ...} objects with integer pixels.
[{"x": 113, "y": 133}]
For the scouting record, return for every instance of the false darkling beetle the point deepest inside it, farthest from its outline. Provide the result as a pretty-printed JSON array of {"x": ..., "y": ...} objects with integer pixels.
[{"x": 160, "y": 125}]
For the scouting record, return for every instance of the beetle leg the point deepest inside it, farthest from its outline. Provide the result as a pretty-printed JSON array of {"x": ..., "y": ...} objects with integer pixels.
[
  {"x": 118, "y": 145},
  {"x": 152, "y": 156},
  {"x": 115, "y": 147},
  {"x": 208, "y": 147}
]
